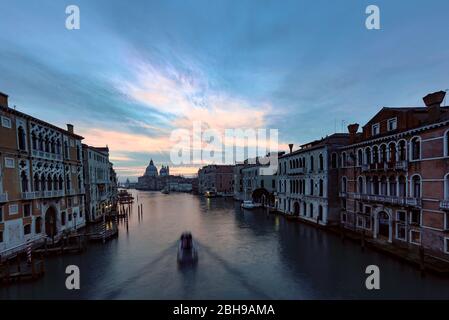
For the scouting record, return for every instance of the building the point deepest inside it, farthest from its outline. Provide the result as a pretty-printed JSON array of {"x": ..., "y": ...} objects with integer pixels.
[
  {"x": 237, "y": 182},
  {"x": 216, "y": 178},
  {"x": 151, "y": 180},
  {"x": 101, "y": 182},
  {"x": 393, "y": 177},
  {"x": 306, "y": 181},
  {"x": 41, "y": 179}
]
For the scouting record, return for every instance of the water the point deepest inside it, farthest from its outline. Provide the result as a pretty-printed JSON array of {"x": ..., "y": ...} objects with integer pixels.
[{"x": 242, "y": 255}]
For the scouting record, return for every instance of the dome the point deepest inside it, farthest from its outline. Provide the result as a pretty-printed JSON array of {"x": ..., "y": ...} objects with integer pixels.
[{"x": 151, "y": 170}]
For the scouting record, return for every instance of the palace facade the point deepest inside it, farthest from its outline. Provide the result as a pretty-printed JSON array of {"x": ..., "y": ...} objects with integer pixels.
[
  {"x": 41, "y": 179},
  {"x": 394, "y": 177}
]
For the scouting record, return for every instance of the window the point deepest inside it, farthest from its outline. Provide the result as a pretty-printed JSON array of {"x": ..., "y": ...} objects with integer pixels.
[
  {"x": 63, "y": 218},
  {"x": 13, "y": 209},
  {"x": 343, "y": 159},
  {"x": 392, "y": 124},
  {"x": 415, "y": 148},
  {"x": 1, "y": 214},
  {"x": 415, "y": 217},
  {"x": 343, "y": 217},
  {"x": 416, "y": 186},
  {"x": 321, "y": 191},
  {"x": 334, "y": 160},
  {"x": 360, "y": 185},
  {"x": 415, "y": 237},
  {"x": 27, "y": 229},
  {"x": 446, "y": 244},
  {"x": 359, "y": 157},
  {"x": 21, "y": 138},
  {"x": 27, "y": 210},
  {"x": 446, "y": 143},
  {"x": 401, "y": 216},
  {"x": 311, "y": 210},
  {"x": 375, "y": 129},
  {"x": 311, "y": 187},
  {"x": 311, "y": 163},
  {"x": 401, "y": 232},
  {"x": 1, "y": 236},
  {"x": 446, "y": 221},
  {"x": 321, "y": 160},
  {"x": 70, "y": 217},
  {"x": 368, "y": 223},
  {"x": 446, "y": 187},
  {"x": 360, "y": 221},
  {"x": 343, "y": 184},
  {"x": 6, "y": 122},
  {"x": 9, "y": 163}
]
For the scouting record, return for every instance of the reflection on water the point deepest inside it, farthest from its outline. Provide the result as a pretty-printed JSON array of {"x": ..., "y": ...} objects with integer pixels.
[{"x": 242, "y": 255}]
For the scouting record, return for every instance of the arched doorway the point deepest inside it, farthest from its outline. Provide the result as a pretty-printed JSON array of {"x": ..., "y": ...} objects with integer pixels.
[
  {"x": 50, "y": 222},
  {"x": 296, "y": 208},
  {"x": 383, "y": 219}
]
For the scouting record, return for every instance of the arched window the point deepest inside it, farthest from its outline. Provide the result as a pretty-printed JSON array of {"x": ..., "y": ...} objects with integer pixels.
[
  {"x": 58, "y": 146},
  {"x": 66, "y": 150},
  {"x": 24, "y": 181},
  {"x": 311, "y": 187},
  {"x": 52, "y": 146},
  {"x": 21, "y": 137},
  {"x": 79, "y": 182},
  {"x": 415, "y": 148},
  {"x": 393, "y": 186},
  {"x": 49, "y": 182},
  {"x": 368, "y": 156},
  {"x": 68, "y": 182},
  {"x": 402, "y": 186},
  {"x": 344, "y": 183},
  {"x": 416, "y": 187},
  {"x": 321, "y": 160},
  {"x": 360, "y": 185},
  {"x": 402, "y": 150},
  {"x": 320, "y": 213},
  {"x": 375, "y": 154},
  {"x": 343, "y": 159},
  {"x": 60, "y": 183},
  {"x": 334, "y": 160},
  {"x": 369, "y": 185},
  {"x": 392, "y": 152},
  {"x": 34, "y": 141},
  {"x": 304, "y": 207},
  {"x": 36, "y": 182},
  {"x": 376, "y": 185},
  {"x": 359, "y": 157},
  {"x": 41, "y": 142},
  {"x": 78, "y": 153},
  {"x": 311, "y": 163},
  {"x": 43, "y": 183},
  {"x": 321, "y": 188},
  {"x": 55, "y": 183},
  {"x": 47, "y": 145},
  {"x": 383, "y": 186},
  {"x": 383, "y": 153},
  {"x": 311, "y": 210}
]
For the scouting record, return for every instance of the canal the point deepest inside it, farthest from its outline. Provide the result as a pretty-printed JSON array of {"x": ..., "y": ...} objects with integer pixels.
[{"x": 242, "y": 255}]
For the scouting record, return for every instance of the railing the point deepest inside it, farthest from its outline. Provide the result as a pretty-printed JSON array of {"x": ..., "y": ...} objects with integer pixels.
[
  {"x": 401, "y": 165},
  {"x": 35, "y": 242},
  {"x": 343, "y": 194},
  {"x": 414, "y": 202},
  {"x": 444, "y": 204},
  {"x": 31, "y": 195},
  {"x": 4, "y": 197},
  {"x": 46, "y": 155}
]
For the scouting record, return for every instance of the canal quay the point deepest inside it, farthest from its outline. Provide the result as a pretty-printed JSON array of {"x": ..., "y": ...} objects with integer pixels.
[{"x": 242, "y": 255}]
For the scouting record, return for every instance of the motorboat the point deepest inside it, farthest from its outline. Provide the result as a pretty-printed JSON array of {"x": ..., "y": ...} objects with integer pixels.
[
  {"x": 248, "y": 204},
  {"x": 165, "y": 191},
  {"x": 187, "y": 250},
  {"x": 210, "y": 194}
]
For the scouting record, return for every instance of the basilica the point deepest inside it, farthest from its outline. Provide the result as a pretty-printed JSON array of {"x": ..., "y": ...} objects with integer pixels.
[{"x": 154, "y": 179}]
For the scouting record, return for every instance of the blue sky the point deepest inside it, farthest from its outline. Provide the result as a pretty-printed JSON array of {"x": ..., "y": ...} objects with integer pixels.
[{"x": 136, "y": 70}]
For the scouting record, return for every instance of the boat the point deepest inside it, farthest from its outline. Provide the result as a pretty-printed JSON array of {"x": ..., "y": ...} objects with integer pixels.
[
  {"x": 165, "y": 191},
  {"x": 210, "y": 194},
  {"x": 248, "y": 204},
  {"x": 187, "y": 250}
]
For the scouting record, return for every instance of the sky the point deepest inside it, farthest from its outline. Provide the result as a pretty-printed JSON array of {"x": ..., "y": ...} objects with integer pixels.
[{"x": 137, "y": 70}]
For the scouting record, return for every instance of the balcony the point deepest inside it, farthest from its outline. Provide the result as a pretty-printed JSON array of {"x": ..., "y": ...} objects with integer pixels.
[
  {"x": 401, "y": 165},
  {"x": 31, "y": 195},
  {"x": 444, "y": 204},
  {"x": 3, "y": 197},
  {"x": 343, "y": 194},
  {"x": 394, "y": 200}
]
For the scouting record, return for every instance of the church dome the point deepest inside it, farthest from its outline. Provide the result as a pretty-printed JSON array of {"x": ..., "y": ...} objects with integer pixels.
[{"x": 151, "y": 170}]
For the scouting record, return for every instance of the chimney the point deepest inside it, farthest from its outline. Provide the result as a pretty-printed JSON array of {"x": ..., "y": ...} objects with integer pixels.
[
  {"x": 3, "y": 100},
  {"x": 433, "y": 103},
  {"x": 290, "y": 146},
  {"x": 70, "y": 127},
  {"x": 352, "y": 129}
]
